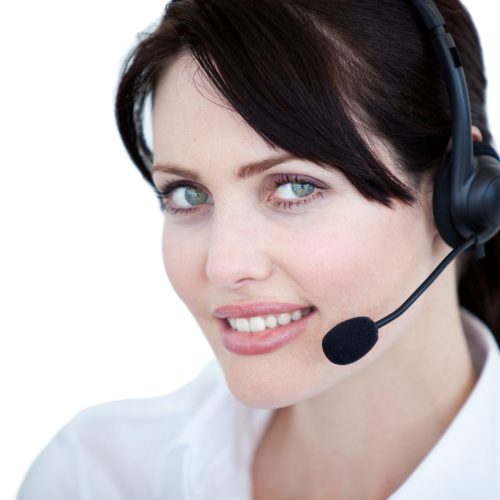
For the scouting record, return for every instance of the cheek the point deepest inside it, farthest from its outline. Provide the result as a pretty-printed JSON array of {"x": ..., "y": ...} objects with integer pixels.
[
  {"x": 182, "y": 260},
  {"x": 359, "y": 266}
]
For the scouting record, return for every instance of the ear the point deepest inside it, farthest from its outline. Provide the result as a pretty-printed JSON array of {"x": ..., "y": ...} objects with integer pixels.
[
  {"x": 476, "y": 134},
  {"x": 438, "y": 242}
]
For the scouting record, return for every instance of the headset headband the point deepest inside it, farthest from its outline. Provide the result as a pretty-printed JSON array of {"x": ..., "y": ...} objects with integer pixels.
[
  {"x": 467, "y": 187},
  {"x": 462, "y": 151}
]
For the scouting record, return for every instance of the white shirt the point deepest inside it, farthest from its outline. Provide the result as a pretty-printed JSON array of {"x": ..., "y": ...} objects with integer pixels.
[{"x": 198, "y": 444}]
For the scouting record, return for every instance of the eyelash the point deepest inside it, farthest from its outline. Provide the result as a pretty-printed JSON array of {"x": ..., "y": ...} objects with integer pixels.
[{"x": 163, "y": 192}]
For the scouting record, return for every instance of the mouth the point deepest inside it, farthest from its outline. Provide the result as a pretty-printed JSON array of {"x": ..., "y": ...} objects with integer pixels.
[
  {"x": 258, "y": 324},
  {"x": 250, "y": 335}
]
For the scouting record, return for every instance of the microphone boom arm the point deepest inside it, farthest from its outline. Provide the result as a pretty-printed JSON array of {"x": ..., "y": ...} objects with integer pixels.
[{"x": 421, "y": 289}]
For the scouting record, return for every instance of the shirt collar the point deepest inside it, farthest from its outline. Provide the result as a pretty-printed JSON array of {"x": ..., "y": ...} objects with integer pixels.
[{"x": 465, "y": 462}]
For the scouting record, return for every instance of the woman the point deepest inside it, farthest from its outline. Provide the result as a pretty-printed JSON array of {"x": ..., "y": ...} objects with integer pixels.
[{"x": 295, "y": 151}]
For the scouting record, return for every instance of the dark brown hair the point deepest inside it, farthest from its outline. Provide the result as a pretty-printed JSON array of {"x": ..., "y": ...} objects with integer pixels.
[{"x": 315, "y": 78}]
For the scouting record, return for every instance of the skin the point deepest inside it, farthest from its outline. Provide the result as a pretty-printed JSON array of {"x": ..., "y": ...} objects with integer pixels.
[{"x": 342, "y": 254}]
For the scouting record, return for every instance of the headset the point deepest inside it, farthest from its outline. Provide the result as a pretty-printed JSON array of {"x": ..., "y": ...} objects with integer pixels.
[{"x": 466, "y": 198}]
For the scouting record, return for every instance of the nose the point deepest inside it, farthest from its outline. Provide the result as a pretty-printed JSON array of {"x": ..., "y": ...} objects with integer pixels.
[{"x": 237, "y": 250}]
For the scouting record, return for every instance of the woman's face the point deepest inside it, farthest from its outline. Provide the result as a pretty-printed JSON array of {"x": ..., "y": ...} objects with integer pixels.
[{"x": 248, "y": 236}]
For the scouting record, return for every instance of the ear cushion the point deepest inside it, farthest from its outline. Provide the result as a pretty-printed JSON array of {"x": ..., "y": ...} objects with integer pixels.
[
  {"x": 441, "y": 200},
  {"x": 441, "y": 205},
  {"x": 484, "y": 149}
]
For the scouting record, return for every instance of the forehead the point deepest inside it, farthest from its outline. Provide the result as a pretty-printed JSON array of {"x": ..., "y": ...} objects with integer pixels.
[{"x": 193, "y": 124}]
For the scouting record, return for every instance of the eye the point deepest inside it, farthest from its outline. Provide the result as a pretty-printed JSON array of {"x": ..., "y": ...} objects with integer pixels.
[
  {"x": 180, "y": 197},
  {"x": 295, "y": 192},
  {"x": 187, "y": 197}
]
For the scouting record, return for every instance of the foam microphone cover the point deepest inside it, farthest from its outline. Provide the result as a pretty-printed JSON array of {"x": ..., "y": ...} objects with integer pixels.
[{"x": 350, "y": 340}]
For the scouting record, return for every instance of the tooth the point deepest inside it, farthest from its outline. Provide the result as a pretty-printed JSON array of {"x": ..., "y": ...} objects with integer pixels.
[
  {"x": 271, "y": 322},
  {"x": 284, "y": 319},
  {"x": 242, "y": 325},
  {"x": 257, "y": 324}
]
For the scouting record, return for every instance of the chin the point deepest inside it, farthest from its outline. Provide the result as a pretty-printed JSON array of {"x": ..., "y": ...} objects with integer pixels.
[
  {"x": 261, "y": 396},
  {"x": 280, "y": 390}
]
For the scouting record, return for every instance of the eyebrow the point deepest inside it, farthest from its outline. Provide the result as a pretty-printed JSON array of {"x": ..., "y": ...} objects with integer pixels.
[{"x": 243, "y": 172}]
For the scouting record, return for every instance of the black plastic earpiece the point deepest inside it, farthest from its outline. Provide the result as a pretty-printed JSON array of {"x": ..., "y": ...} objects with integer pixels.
[{"x": 480, "y": 202}]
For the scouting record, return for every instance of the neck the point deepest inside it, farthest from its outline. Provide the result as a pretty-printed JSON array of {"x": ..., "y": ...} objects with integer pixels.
[{"x": 365, "y": 436}]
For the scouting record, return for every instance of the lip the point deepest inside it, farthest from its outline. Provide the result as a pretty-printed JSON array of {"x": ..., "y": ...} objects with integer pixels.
[
  {"x": 249, "y": 344},
  {"x": 257, "y": 309}
]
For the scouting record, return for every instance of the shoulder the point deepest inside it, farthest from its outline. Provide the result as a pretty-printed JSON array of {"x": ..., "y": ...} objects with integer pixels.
[
  {"x": 120, "y": 443},
  {"x": 146, "y": 422},
  {"x": 204, "y": 387}
]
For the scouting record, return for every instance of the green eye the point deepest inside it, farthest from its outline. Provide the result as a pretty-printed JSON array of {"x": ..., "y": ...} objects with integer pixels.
[
  {"x": 195, "y": 196},
  {"x": 302, "y": 190},
  {"x": 293, "y": 190},
  {"x": 188, "y": 197}
]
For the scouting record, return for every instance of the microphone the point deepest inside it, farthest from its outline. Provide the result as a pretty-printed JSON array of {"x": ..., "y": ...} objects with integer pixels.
[{"x": 350, "y": 340}]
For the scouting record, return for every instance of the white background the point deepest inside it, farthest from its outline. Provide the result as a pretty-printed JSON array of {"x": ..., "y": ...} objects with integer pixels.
[{"x": 86, "y": 312}]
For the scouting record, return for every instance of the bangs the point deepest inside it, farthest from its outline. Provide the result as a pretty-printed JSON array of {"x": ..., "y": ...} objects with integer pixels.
[{"x": 298, "y": 85}]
